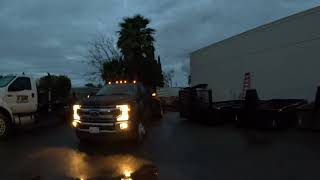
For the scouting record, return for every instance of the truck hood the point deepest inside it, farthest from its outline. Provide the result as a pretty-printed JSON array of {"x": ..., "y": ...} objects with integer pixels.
[{"x": 107, "y": 100}]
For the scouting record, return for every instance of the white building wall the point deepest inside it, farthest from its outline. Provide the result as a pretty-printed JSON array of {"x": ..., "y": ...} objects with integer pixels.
[{"x": 283, "y": 58}]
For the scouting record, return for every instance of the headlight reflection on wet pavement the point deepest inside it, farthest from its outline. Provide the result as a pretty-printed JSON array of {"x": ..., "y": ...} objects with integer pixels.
[{"x": 66, "y": 162}]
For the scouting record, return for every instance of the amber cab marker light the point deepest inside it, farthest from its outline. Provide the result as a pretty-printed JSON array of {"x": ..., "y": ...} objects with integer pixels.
[
  {"x": 117, "y": 82},
  {"x": 125, "y": 81},
  {"x": 109, "y": 82},
  {"x": 120, "y": 82},
  {"x": 134, "y": 81}
]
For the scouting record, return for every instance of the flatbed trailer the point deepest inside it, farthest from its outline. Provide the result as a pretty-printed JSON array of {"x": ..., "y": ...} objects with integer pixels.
[
  {"x": 195, "y": 103},
  {"x": 274, "y": 113},
  {"x": 308, "y": 115}
]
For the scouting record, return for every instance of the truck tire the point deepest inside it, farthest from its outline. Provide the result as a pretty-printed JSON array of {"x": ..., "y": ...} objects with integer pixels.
[
  {"x": 5, "y": 126},
  {"x": 140, "y": 132},
  {"x": 159, "y": 114}
]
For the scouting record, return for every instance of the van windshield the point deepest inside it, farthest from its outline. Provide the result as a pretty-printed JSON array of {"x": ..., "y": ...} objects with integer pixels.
[{"x": 4, "y": 81}]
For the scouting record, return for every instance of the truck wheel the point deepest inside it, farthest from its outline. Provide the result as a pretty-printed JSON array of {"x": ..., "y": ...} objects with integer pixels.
[
  {"x": 160, "y": 113},
  {"x": 4, "y": 126},
  {"x": 140, "y": 132}
]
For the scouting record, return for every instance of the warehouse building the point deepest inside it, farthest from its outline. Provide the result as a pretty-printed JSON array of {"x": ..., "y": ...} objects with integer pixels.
[{"x": 282, "y": 59}]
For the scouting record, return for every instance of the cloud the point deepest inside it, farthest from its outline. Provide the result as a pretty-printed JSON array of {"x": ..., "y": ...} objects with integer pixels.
[{"x": 52, "y": 36}]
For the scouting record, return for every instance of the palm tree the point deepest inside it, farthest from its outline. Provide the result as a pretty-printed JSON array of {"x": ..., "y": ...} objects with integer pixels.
[{"x": 136, "y": 41}]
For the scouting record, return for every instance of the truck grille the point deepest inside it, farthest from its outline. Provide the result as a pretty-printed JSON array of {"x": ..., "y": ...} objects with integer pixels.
[{"x": 96, "y": 115}]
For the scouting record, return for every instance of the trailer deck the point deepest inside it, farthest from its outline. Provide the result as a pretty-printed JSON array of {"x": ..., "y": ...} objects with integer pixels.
[{"x": 195, "y": 103}]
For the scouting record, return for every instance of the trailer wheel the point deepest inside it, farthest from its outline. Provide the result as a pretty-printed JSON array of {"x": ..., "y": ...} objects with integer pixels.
[
  {"x": 299, "y": 124},
  {"x": 5, "y": 126},
  {"x": 274, "y": 124}
]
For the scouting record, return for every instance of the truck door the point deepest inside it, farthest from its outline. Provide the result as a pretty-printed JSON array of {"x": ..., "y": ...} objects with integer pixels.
[{"x": 20, "y": 96}]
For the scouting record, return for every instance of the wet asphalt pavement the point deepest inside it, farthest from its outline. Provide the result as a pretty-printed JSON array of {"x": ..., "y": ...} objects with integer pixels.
[{"x": 178, "y": 148}]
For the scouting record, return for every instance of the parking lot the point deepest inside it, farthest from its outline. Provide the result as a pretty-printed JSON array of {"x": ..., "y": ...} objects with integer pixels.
[{"x": 178, "y": 148}]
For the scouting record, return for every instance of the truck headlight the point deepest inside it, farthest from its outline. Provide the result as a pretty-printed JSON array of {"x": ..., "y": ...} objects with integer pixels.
[
  {"x": 124, "y": 112},
  {"x": 75, "y": 112}
]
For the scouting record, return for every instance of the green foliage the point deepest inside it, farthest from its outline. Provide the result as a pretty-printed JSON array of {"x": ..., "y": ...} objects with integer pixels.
[
  {"x": 90, "y": 85},
  {"x": 58, "y": 85},
  {"x": 113, "y": 70},
  {"x": 151, "y": 74}
]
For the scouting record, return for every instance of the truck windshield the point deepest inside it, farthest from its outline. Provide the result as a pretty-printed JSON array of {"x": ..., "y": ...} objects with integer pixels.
[
  {"x": 117, "y": 89},
  {"x": 4, "y": 81}
]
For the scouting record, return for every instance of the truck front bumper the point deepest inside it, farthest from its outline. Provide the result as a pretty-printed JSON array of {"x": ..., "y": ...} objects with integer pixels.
[{"x": 105, "y": 130}]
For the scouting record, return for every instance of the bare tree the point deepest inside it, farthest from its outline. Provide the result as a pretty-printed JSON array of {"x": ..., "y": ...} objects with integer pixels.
[
  {"x": 186, "y": 71},
  {"x": 168, "y": 76},
  {"x": 101, "y": 50}
]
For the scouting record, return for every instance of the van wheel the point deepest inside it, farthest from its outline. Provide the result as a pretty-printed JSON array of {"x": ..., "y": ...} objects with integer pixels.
[{"x": 4, "y": 126}]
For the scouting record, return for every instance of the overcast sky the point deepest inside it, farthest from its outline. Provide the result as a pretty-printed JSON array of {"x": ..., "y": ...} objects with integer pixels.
[{"x": 39, "y": 36}]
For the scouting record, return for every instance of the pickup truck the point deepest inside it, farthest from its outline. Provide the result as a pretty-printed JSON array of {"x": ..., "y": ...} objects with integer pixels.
[
  {"x": 120, "y": 109},
  {"x": 20, "y": 103}
]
